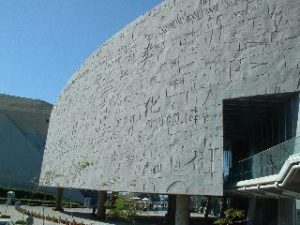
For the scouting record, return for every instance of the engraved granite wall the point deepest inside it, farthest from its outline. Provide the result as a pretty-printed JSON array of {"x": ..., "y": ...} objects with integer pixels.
[{"x": 144, "y": 112}]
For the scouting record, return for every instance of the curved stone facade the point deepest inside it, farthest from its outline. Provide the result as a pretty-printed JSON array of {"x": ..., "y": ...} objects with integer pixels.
[{"x": 144, "y": 112}]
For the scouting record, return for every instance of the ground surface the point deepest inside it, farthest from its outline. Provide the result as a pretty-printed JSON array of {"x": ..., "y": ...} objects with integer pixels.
[
  {"x": 80, "y": 215},
  {"x": 84, "y": 215}
]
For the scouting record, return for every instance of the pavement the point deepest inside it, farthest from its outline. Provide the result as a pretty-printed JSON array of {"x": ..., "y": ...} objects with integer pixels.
[
  {"x": 78, "y": 214},
  {"x": 83, "y": 215},
  {"x": 15, "y": 215}
]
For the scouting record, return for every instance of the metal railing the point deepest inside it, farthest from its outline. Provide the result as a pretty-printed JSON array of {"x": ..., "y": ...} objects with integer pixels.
[{"x": 265, "y": 163}]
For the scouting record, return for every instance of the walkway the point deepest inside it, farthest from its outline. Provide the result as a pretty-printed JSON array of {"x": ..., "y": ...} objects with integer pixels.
[
  {"x": 80, "y": 215},
  {"x": 84, "y": 215}
]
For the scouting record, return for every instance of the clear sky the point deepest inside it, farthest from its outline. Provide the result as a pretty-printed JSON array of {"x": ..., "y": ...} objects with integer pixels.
[{"x": 43, "y": 42}]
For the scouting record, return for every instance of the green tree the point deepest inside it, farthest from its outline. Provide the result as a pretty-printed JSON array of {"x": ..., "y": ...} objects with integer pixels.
[
  {"x": 232, "y": 216},
  {"x": 122, "y": 208}
]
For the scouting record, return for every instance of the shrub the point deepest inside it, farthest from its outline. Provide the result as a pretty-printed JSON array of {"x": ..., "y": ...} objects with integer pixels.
[
  {"x": 4, "y": 216},
  {"x": 232, "y": 216},
  {"x": 25, "y": 194},
  {"x": 122, "y": 208},
  {"x": 20, "y": 222}
]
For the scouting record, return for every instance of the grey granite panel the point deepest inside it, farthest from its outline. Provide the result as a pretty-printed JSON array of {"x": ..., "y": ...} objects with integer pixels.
[{"x": 144, "y": 112}]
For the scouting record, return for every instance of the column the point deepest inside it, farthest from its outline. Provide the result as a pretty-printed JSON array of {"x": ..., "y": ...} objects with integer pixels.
[
  {"x": 251, "y": 211},
  {"x": 101, "y": 209},
  {"x": 170, "y": 216},
  {"x": 182, "y": 215},
  {"x": 207, "y": 211},
  {"x": 58, "y": 202},
  {"x": 286, "y": 211}
]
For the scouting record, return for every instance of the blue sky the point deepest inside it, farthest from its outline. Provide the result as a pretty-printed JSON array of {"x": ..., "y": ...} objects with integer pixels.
[{"x": 43, "y": 42}]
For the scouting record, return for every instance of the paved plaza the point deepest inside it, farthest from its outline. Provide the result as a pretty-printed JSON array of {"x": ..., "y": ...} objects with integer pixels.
[
  {"x": 83, "y": 215},
  {"x": 15, "y": 215},
  {"x": 79, "y": 215}
]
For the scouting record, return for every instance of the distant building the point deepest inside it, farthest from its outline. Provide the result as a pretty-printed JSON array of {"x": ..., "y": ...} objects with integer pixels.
[{"x": 23, "y": 130}]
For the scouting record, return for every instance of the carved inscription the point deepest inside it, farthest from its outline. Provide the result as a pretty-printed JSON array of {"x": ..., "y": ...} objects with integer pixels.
[{"x": 146, "y": 107}]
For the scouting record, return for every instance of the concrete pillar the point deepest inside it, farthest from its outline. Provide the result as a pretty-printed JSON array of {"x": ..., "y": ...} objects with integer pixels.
[
  {"x": 101, "y": 209},
  {"x": 224, "y": 206},
  {"x": 297, "y": 212},
  {"x": 251, "y": 211},
  {"x": 58, "y": 201},
  {"x": 170, "y": 216},
  {"x": 207, "y": 211},
  {"x": 286, "y": 211},
  {"x": 182, "y": 215},
  {"x": 266, "y": 211}
]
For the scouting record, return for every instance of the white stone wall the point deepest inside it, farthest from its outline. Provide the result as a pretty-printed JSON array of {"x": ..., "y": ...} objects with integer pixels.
[{"x": 144, "y": 112}]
